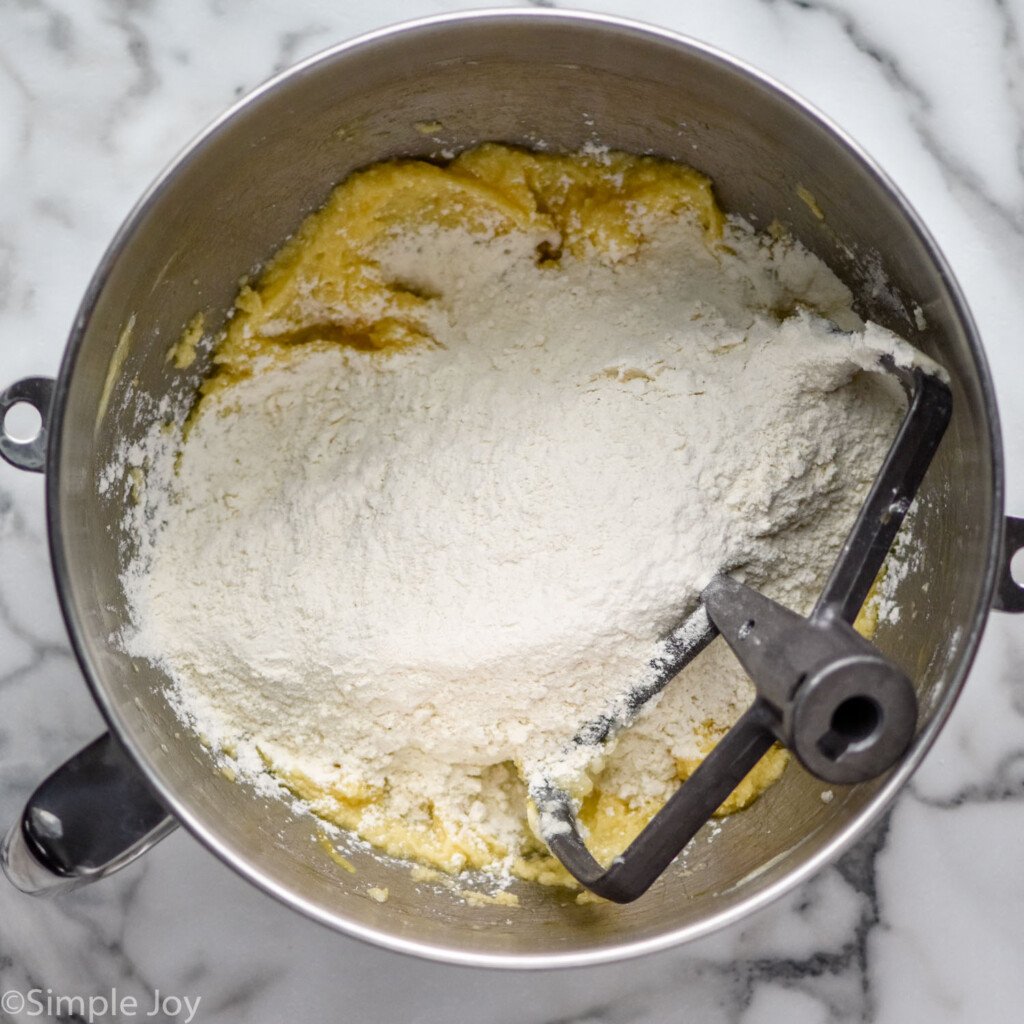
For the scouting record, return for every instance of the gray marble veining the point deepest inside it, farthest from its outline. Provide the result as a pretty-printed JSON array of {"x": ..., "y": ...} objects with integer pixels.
[{"x": 921, "y": 922}]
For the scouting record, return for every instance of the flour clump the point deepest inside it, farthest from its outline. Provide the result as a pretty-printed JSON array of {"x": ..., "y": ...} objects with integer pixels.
[{"x": 454, "y": 477}]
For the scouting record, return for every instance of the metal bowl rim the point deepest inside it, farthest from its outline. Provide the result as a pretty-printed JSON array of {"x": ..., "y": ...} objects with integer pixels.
[{"x": 432, "y": 951}]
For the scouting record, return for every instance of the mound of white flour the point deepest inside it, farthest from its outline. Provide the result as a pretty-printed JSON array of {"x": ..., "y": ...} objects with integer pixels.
[{"x": 406, "y": 568}]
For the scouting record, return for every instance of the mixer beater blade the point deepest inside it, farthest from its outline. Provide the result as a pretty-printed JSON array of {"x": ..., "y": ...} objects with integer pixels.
[{"x": 845, "y": 711}]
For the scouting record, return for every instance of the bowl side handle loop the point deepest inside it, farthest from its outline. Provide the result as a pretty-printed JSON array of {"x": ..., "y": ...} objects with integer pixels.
[
  {"x": 28, "y": 453},
  {"x": 94, "y": 815},
  {"x": 1009, "y": 595}
]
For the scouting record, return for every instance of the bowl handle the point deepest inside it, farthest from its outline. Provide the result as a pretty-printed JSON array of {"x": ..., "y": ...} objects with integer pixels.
[
  {"x": 92, "y": 816},
  {"x": 29, "y": 453},
  {"x": 1009, "y": 595}
]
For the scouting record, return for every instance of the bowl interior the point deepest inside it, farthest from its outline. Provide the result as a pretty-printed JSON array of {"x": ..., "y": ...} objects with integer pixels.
[{"x": 550, "y": 80}]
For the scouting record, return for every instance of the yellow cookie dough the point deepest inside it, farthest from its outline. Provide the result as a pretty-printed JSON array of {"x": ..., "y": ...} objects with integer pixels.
[{"x": 325, "y": 288}]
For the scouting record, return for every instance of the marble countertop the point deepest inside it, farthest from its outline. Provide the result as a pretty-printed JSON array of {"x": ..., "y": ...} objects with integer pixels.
[{"x": 923, "y": 921}]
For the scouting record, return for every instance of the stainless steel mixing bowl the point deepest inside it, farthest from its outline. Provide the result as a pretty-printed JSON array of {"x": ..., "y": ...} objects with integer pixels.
[{"x": 537, "y": 78}]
